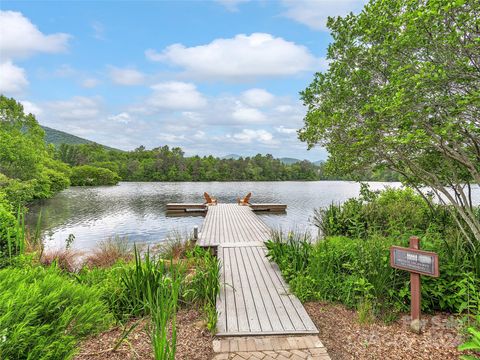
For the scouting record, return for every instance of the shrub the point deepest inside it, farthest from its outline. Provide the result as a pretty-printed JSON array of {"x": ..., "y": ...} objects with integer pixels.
[
  {"x": 64, "y": 259},
  {"x": 110, "y": 251},
  {"x": 391, "y": 212},
  {"x": 18, "y": 193},
  {"x": 356, "y": 272},
  {"x": 43, "y": 313},
  {"x": 473, "y": 344},
  {"x": 7, "y": 225},
  {"x": 87, "y": 175}
]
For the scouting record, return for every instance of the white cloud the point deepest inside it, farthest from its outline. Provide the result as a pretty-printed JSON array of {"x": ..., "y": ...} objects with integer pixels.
[
  {"x": 257, "y": 97},
  {"x": 126, "y": 76},
  {"x": 65, "y": 70},
  {"x": 76, "y": 108},
  {"x": 231, "y": 5},
  {"x": 122, "y": 117},
  {"x": 284, "y": 130},
  {"x": 12, "y": 78},
  {"x": 239, "y": 58},
  {"x": 199, "y": 135},
  {"x": 89, "y": 83},
  {"x": 248, "y": 114},
  {"x": 31, "y": 108},
  {"x": 249, "y": 135},
  {"x": 21, "y": 38},
  {"x": 284, "y": 108},
  {"x": 170, "y": 138},
  {"x": 98, "y": 30},
  {"x": 175, "y": 95},
  {"x": 315, "y": 14}
]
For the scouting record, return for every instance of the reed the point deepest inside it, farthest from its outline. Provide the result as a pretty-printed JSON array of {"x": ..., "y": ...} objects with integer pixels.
[{"x": 163, "y": 306}]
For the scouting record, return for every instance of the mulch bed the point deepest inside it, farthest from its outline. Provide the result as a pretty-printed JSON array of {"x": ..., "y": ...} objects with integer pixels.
[
  {"x": 345, "y": 338},
  {"x": 193, "y": 341}
]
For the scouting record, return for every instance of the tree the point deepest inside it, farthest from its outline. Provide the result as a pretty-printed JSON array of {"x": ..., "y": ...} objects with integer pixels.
[{"x": 403, "y": 92}]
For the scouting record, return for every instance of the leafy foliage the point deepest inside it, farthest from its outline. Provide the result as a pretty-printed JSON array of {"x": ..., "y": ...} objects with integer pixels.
[
  {"x": 402, "y": 92},
  {"x": 391, "y": 212},
  {"x": 43, "y": 314},
  {"x": 27, "y": 168},
  {"x": 472, "y": 345},
  {"x": 351, "y": 264},
  {"x": 165, "y": 164},
  {"x": 87, "y": 175}
]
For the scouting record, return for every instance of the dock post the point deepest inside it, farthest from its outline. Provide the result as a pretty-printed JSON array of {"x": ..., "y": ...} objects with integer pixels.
[{"x": 195, "y": 233}]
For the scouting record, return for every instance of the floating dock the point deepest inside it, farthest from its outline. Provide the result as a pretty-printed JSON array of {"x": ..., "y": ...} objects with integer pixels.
[
  {"x": 181, "y": 208},
  {"x": 254, "y": 299},
  {"x": 178, "y": 208}
]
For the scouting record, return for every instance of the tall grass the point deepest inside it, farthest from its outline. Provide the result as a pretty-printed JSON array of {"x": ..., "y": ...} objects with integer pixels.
[
  {"x": 110, "y": 251},
  {"x": 203, "y": 284},
  {"x": 163, "y": 305}
]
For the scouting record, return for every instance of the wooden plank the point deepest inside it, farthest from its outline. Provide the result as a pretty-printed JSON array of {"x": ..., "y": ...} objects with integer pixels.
[
  {"x": 253, "y": 299},
  {"x": 231, "y": 223},
  {"x": 271, "y": 311},
  {"x": 241, "y": 310},
  {"x": 297, "y": 305},
  {"x": 269, "y": 207},
  {"x": 230, "y": 305},
  {"x": 260, "y": 300},
  {"x": 260, "y": 309},
  {"x": 220, "y": 305},
  {"x": 272, "y": 290},
  {"x": 183, "y": 206}
]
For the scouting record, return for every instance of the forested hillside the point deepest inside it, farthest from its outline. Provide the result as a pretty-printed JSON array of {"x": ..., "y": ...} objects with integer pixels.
[
  {"x": 170, "y": 164},
  {"x": 57, "y": 137}
]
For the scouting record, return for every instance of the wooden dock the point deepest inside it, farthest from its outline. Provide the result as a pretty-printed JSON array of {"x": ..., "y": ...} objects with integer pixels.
[
  {"x": 254, "y": 299},
  {"x": 232, "y": 224},
  {"x": 179, "y": 208}
]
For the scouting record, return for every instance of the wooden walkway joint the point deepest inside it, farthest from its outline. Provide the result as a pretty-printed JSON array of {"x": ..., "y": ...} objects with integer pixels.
[{"x": 254, "y": 299}]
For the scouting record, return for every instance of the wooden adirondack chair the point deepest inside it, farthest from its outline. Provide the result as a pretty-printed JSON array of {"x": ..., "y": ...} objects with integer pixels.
[
  {"x": 245, "y": 200},
  {"x": 209, "y": 200}
]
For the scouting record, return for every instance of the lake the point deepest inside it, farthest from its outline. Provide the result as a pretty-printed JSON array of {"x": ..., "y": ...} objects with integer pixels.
[{"x": 136, "y": 210}]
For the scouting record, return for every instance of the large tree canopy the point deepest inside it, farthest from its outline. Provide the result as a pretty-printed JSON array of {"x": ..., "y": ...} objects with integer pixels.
[{"x": 403, "y": 91}]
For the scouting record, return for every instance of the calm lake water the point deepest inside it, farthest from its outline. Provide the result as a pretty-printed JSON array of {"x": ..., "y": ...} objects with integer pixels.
[{"x": 137, "y": 210}]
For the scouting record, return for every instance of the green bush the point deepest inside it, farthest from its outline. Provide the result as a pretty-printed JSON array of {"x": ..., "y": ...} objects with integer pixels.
[
  {"x": 7, "y": 225},
  {"x": 355, "y": 271},
  {"x": 473, "y": 344},
  {"x": 44, "y": 313},
  {"x": 108, "y": 280},
  {"x": 17, "y": 193},
  {"x": 87, "y": 175},
  {"x": 391, "y": 212}
]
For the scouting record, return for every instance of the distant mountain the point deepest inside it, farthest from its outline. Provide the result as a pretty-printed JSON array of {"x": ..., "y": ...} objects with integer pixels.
[
  {"x": 232, "y": 156},
  {"x": 318, "y": 162},
  {"x": 57, "y": 137},
  {"x": 289, "y": 161}
]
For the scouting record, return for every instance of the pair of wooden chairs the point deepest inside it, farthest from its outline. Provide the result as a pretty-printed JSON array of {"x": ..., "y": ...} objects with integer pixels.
[{"x": 212, "y": 201}]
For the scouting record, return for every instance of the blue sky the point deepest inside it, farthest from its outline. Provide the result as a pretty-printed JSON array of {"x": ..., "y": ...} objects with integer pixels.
[{"x": 213, "y": 77}]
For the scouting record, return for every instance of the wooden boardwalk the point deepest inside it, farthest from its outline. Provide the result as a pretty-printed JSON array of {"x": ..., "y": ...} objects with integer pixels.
[
  {"x": 232, "y": 224},
  {"x": 254, "y": 299}
]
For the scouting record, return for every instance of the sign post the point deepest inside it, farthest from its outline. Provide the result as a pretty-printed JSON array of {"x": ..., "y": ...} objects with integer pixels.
[{"x": 417, "y": 262}]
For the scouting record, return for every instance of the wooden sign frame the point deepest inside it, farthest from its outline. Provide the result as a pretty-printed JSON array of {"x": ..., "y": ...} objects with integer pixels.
[{"x": 436, "y": 268}]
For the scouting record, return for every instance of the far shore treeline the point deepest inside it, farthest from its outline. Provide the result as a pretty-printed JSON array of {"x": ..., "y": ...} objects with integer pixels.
[{"x": 31, "y": 169}]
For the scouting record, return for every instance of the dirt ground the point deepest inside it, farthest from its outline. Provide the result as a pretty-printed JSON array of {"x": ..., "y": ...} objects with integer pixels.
[
  {"x": 341, "y": 333},
  {"x": 193, "y": 341},
  {"x": 346, "y": 339}
]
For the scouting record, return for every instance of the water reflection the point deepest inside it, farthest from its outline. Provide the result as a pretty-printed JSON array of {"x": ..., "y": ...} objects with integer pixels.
[{"x": 137, "y": 210}]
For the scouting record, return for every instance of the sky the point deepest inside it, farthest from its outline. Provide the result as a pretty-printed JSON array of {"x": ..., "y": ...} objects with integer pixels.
[{"x": 213, "y": 77}]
